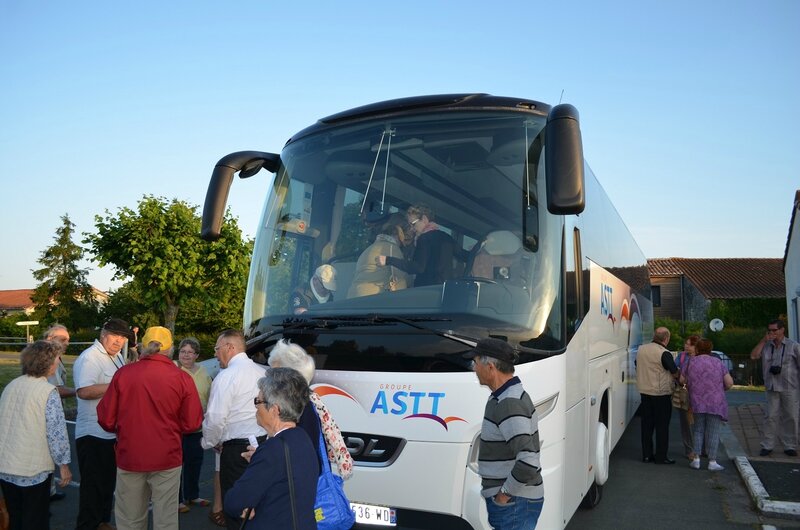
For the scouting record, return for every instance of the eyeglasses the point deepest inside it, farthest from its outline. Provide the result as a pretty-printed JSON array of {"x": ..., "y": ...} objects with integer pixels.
[
  {"x": 216, "y": 348},
  {"x": 258, "y": 402},
  {"x": 772, "y": 330}
]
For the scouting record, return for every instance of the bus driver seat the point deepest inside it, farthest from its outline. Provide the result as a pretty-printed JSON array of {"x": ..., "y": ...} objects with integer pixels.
[{"x": 500, "y": 257}]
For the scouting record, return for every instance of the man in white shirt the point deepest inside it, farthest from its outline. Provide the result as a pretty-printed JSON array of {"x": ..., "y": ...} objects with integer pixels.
[
  {"x": 92, "y": 373},
  {"x": 59, "y": 334},
  {"x": 781, "y": 365},
  {"x": 231, "y": 414}
]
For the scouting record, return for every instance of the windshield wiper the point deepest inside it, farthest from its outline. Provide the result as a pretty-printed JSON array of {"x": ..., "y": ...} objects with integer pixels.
[
  {"x": 287, "y": 325},
  {"x": 463, "y": 339},
  {"x": 376, "y": 319}
]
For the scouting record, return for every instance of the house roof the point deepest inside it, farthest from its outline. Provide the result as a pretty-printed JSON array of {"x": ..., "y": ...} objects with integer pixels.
[
  {"x": 726, "y": 278},
  {"x": 16, "y": 299}
]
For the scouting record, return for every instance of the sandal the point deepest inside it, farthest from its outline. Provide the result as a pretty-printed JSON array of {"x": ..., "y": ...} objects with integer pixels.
[
  {"x": 182, "y": 508},
  {"x": 199, "y": 501},
  {"x": 218, "y": 518}
]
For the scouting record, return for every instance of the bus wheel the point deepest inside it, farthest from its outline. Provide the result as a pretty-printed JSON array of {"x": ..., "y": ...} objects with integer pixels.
[
  {"x": 602, "y": 454},
  {"x": 592, "y": 497}
]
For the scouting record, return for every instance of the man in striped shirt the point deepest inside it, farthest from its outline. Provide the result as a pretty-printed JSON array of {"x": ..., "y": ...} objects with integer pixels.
[{"x": 508, "y": 460}]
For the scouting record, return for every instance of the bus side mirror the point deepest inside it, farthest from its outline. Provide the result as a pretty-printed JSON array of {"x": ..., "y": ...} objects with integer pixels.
[
  {"x": 247, "y": 163},
  {"x": 564, "y": 161}
]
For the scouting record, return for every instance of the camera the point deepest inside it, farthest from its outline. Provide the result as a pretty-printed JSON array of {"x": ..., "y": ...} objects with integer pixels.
[{"x": 775, "y": 370}]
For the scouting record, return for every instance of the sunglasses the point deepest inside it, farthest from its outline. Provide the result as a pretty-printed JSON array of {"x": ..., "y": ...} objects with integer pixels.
[{"x": 258, "y": 402}]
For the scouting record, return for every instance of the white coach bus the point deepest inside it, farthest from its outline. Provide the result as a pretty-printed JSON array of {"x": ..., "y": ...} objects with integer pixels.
[{"x": 541, "y": 259}]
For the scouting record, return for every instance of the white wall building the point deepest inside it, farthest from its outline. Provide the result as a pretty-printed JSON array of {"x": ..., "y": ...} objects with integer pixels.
[{"x": 791, "y": 271}]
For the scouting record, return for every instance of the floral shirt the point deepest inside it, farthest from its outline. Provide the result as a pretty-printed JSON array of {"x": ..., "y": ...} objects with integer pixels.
[{"x": 334, "y": 443}]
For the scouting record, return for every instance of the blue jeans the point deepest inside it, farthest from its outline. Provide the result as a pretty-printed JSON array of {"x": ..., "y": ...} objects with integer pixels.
[{"x": 518, "y": 514}]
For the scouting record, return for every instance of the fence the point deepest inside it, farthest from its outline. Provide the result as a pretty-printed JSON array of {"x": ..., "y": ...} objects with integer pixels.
[
  {"x": 746, "y": 371},
  {"x": 13, "y": 341},
  {"x": 16, "y": 344}
]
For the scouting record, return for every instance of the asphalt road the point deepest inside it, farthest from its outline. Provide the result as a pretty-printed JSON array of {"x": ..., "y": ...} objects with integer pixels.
[
  {"x": 655, "y": 497},
  {"x": 65, "y": 512}
]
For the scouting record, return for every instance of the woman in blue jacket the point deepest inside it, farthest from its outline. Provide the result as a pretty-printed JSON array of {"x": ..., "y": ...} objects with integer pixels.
[{"x": 262, "y": 492}]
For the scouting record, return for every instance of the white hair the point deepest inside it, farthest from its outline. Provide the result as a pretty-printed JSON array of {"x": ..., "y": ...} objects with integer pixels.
[
  {"x": 52, "y": 329},
  {"x": 150, "y": 348},
  {"x": 288, "y": 355}
]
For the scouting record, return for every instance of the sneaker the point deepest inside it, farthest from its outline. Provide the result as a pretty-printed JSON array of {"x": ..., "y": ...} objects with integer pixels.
[
  {"x": 789, "y": 452},
  {"x": 182, "y": 508},
  {"x": 695, "y": 464},
  {"x": 713, "y": 466},
  {"x": 765, "y": 452}
]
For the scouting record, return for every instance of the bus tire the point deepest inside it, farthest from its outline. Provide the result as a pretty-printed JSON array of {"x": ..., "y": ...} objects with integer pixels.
[
  {"x": 602, "y": 454},
  {"x": 592, "y": 497}
]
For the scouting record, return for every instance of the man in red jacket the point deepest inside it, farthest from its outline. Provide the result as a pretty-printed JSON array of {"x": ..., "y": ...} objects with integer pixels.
[{"x": 150, "y": 404}]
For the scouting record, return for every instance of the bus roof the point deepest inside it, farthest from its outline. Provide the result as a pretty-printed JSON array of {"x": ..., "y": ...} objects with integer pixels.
[{"x": 432, "y": 103}]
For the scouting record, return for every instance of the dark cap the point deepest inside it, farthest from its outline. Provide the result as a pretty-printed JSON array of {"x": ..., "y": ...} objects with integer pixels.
[
  {"x": 117, "y": 326},
  {"x": 499, "y": 349}
]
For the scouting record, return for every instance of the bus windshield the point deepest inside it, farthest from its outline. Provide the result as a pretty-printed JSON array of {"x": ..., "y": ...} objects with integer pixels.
[{"x": 440, "y": 218}]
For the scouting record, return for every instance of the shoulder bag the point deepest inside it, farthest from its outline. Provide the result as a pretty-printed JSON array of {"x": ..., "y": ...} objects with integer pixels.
[
  {"x": 680, "y": 397},
  {"x": 331, "y": 509},
  {"x": 680, "y": 394}
]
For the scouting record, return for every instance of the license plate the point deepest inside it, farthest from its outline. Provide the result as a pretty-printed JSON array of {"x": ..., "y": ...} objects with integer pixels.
[{"x": 374, "y": 515}]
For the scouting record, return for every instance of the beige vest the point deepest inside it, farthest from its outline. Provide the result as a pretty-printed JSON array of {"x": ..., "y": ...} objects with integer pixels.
[
  {"x": 651, "y": 377},
  {"x": 23, "y": 434}
]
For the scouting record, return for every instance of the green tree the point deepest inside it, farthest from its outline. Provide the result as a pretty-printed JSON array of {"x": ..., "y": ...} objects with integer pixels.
[
  {"x": 220, "y": 307},
  {"x": 64, "y": 294},
  {"x": 159, "y": 247},
  {"x": 9, "y": 328},
  {"x": 127, "y": 302}
]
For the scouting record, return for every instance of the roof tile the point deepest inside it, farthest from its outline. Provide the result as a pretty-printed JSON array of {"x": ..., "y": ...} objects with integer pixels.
[{"x": 726, "y": 278}]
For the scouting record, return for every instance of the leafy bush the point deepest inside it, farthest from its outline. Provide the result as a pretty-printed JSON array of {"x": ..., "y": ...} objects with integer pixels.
[
  {"x": 679, "y": 330},
  {"x": 735, "y": 342},
  {"x": 9, "y": 328},
  {"x": 749, "y": 312}
]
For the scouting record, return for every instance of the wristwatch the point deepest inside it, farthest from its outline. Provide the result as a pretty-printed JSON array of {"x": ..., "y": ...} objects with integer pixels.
[{"x": 504, "y": 491}]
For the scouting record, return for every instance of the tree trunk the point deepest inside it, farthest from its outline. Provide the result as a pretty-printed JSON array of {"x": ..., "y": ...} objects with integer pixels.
[{"x": 170, "y": 314}]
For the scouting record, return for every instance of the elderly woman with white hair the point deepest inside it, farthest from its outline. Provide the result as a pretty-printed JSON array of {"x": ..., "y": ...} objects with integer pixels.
[
  {"x": 281, "y": 468},
  {"x": 288, "y": 355}
]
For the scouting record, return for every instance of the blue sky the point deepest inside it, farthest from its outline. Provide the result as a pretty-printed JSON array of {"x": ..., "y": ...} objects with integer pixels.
[{"x": 688, "y": 109}]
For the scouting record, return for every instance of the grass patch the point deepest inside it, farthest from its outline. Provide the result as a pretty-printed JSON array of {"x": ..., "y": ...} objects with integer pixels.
[{"x": 10, "y": 369}]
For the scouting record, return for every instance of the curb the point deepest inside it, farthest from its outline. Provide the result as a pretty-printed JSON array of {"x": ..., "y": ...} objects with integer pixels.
[{"x": 781, "y": 509}]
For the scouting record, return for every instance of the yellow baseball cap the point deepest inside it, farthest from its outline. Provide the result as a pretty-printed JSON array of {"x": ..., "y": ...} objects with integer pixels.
[{"x": 158, "y": 334}]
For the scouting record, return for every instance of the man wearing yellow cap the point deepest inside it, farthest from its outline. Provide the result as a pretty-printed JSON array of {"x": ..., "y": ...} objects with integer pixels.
[{"x": 150, "y": 404}]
